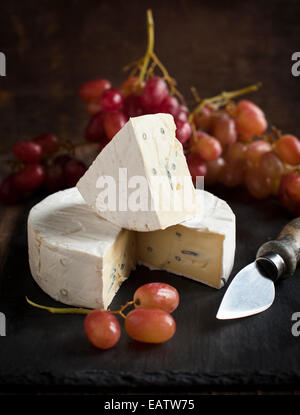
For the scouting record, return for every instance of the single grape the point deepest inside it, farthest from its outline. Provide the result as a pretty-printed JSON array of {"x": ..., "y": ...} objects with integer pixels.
[
  {"x": 297, "y": 210},
  {"x": 113, "y": 122},
  {"x": 48, "y": 142},
  {"x": 271, "y": 166},
  {"x": 153, "y": 94},
  {"x": 29, "y": 178},
  {"x": 223, "y": 129},
  {"x": 203, "y": 118},
  {"x": 28, "y": 151},
  {"x": 183, "y": 131},
  {"x": 237, "y": 150},
  {"x": 93, "y": 90},
  {"x": 250, "y": 119},
  {"x": 257, "y": 184},
  {"x": 196, "y": 165},
  {"x": 73, "y": 171},
  {"x": 93, "y": 107},
  {"x": 103, "y": 143},
  {"x": 285, "y": 200},
  {"x": 209, "y": 148},
  {"x": 288, "y": 149},
  {"x": 111, "y": 100},
  {"x": 256, "y": 149},
  {"x": 214, "y": 171},
  {"x": 95, "y": 129},
  {"x": 8, "y": 192},
  {"x": 181, "y": 115},
  {"x": 156, "y": 295},
  {"x": 62, "y": 159},
  {"x": 293, "y": 188},
  {"x": 131, "y": 86},
  {"x": 169, "y": 105},
  {"x": 150, "y": 325},
  {"x": 233, "y": 173},
  {"x": 132, "y": 106},
  {"x": 102, "y": 329},
  {"x": 54, "y": 179}
]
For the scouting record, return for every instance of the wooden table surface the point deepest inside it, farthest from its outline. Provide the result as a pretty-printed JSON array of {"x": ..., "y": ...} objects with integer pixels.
[{"x": 52, "y": 47}]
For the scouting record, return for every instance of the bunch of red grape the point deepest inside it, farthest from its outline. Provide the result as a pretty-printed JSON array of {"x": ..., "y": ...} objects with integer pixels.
[
  {"x": 111, "y": 108},
  {"x": 149, "y": 322},
  {"x": 230, "y": 145},
  {"x": 40, "y": 163}
]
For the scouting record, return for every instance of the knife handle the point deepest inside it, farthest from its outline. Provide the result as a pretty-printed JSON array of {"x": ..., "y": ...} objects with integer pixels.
[{"x": 287, "y": 245}]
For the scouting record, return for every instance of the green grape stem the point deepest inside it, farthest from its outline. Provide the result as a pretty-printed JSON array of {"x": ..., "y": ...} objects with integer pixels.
[{"x": 75, "y": 310}]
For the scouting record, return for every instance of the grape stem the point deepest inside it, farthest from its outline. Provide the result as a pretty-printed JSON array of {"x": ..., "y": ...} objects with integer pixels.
[
  {"x": 147, "y": 64},
  {"x": 223, "y": 98},
  {"x": 75, "y": 310}
]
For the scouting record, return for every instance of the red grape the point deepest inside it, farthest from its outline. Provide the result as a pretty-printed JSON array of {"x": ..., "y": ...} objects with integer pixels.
[
  {"x": 284, "y": 198},
  {"x": 150, "y": 325},
  {"x": 8, "y": 192},
  {"x": 256, "y": 150},
  {"x": 93, "y": 90},
  {"x": 169, "y": 105},
  {"x": 48, "y": 142},
  {"x": 153, "y": 94},
  {"x": 237, "y": 150},
  {"x": 181, "y": 115},
  {"x": 73, "y": 171},
  {"x": 130, "y": 86},
  {"x": 183, "y": 131},
  {"x": 102, "y": 329},
  {"x": 95, "y": 129},
  {"x": 113, "y": 122},
  {"x": 54, "y": 179},
  {"x": 271, "y": 166},
  {"x": 156, "y": 295},
  {"x": 28, "y": 151},
  {"x": 208, "y": 148},
  {"x": 29, "y": 178},
  {"x": 250, "y": 119},
  {"x": 203, "y": 118},
  {"x": 196, "y": 165},
  {"x": 257, "y": 184},
  {"x": 93, "y": 107},
  {"x": 223, "y": 128},
  {"x": 132, "y": 106},
  {"x": 111, "y": 100},
  {"x": 233, "y": 173},
  {"x": 214, "y": 171},
  {"x": 293, "y": 188},
  {"x": 288, "y": 149}
]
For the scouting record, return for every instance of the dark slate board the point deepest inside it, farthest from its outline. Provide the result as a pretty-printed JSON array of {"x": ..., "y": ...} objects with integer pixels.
[{"x": 259, "y": 351}]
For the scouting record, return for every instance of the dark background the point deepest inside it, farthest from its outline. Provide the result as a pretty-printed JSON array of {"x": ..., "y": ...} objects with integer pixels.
[{"x": 52, "y": 47}]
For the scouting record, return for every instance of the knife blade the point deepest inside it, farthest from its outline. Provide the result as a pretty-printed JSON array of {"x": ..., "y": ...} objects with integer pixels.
[{"x": 252, "y": 290}]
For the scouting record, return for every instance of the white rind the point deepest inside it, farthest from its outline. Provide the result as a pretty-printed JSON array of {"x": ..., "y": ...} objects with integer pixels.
[{"x": 67, "y": 242}]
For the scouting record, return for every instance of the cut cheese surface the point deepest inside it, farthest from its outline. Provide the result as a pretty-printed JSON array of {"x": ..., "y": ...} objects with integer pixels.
[
  {"x": 74, "y": 256},
  {"x": 146, "y": 174},
  {"x": 201, "y": 248},
  {"x": 81, "y": 260}
]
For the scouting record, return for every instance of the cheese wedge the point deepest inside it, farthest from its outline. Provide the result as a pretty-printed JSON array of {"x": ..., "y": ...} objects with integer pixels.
[
  {"x": 201, "y": 248},
  {"x": 74, "y": 256},
  {"x": 140, "y": 180}
]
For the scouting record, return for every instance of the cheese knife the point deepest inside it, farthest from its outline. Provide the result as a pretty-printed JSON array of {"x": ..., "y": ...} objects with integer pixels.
[{"x": 252, "y": 290}]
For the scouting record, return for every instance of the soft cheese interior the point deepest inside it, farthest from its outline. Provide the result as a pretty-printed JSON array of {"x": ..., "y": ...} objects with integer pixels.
[
  {"x": 147, "y": 148},
  {"x": 80, "y": 259},
  {"x": 201, "y": 248}
]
